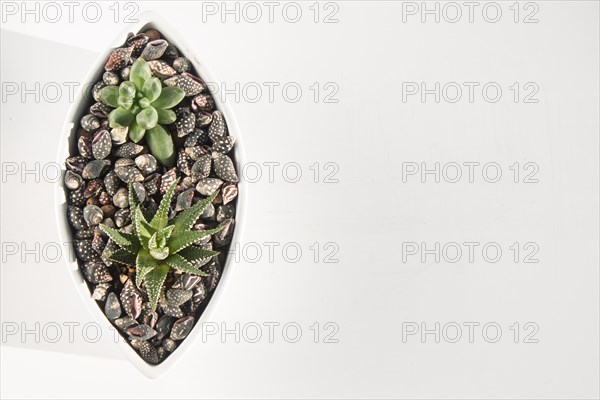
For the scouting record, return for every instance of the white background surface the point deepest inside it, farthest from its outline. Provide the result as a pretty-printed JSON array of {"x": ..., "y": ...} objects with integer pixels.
[{"x": 369, "y": 133}]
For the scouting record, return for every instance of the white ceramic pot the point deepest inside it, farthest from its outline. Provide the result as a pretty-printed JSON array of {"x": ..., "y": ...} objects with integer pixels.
[{"x": 145, "y": 21}]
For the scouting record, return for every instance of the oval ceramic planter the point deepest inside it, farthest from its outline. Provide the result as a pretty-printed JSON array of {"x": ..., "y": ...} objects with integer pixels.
[{"x": 145, "y": 21}]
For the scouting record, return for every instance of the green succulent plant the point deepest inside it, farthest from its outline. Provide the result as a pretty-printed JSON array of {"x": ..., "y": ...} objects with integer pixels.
[
  {"x": 157, "y": 244},
  {"x": 143, "y": 104}
]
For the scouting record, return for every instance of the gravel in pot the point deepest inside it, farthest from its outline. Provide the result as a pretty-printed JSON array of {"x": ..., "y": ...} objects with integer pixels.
[{"x": 151, "y": 186}]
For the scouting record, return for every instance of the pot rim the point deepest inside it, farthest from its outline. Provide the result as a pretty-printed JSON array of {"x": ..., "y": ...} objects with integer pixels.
[{"x": 146, "y": 20}]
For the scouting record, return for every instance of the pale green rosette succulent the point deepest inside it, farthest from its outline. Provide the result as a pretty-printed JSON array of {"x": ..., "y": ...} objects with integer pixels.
[{"x": 142, "y": 104}]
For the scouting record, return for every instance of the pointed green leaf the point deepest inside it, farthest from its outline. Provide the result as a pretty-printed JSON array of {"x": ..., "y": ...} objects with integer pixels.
[
  {"x": 133, "y": 239},
  {"x": 140, "y": 72},
  {"x": 122, "y": 256},
  {"x": 152, "y": 242},
  {"x": 166, "y": 116},
  {"x": 166, "y": 232},
  {"x": 142, "y": 228},
  {"x": 134, "y": 201},
  {"x": 158, "y": 241},
  {"x": 161, "y": 218},
  {"x": 144, "y": 222},
  {"x": 161, "y": 145},
  {"x": 178, "y": 262},
  {"x": 144, "y": 263},
  {"x": 154, "y": 281},
  {"x": 148, "y": 229},
  {"x": 147, "y": 118},
  {"x": 196, "y": 255},
  {"x": 187, "y": 218},
  {"x": 124, "y": 240},
  {"x": 152, "y": 89},
  {"x": 120, "y": 118},
  {"x": 109, "y": 95},
  {"x": 169, "y": 97},
  {"x": 181, "y": 240}
]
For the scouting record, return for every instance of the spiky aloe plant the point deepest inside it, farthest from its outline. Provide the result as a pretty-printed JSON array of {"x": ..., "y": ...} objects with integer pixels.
[{"x": 157, "y": 244}]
